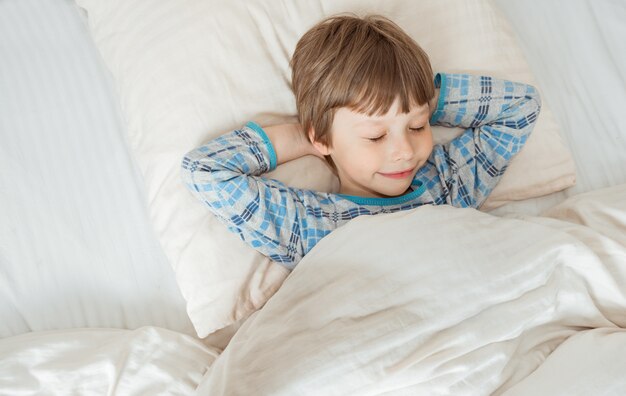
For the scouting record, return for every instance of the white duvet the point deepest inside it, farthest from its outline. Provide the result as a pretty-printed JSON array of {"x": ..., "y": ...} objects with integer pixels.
[
  {"x": 433, "y": 301},
  {"x": 440, "y": 300}
]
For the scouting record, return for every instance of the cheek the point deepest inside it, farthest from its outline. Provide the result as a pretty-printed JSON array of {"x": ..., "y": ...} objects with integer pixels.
[
  {"x": 426, "y": 143},
  {"x": 361, "y": 161},
  {"x": 362, "y": 158}
]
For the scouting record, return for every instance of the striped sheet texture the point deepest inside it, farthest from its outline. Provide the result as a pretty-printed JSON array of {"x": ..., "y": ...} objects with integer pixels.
[{"x": 76, "y": 245}]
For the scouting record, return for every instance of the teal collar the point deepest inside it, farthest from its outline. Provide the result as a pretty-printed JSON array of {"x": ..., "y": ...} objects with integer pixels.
[{"x": 419, "y": 190}]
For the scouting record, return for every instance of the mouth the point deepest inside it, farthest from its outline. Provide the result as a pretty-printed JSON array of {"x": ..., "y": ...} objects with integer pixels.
[{"x": 399, "y": 175}]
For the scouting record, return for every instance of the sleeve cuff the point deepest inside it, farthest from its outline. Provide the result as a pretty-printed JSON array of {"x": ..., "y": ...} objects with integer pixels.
[
  {"x": 270, "y": 148},
  {"x": 440, "y": 82}
]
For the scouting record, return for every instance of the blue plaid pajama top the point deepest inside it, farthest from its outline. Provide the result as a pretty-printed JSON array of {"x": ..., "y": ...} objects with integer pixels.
[{"x": 285, "y": 223}]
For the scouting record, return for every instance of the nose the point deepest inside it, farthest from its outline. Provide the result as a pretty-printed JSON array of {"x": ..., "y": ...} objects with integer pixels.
[{"x": 402, "y": 148}]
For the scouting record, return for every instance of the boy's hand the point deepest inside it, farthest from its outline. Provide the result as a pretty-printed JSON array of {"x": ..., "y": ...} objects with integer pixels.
[
  {"x": 310, "y": 149},
  {"x": 289, "y": 142}
]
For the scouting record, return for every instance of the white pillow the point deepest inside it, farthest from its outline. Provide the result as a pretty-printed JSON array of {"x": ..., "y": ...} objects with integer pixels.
[{"x": 188, "y": 71}]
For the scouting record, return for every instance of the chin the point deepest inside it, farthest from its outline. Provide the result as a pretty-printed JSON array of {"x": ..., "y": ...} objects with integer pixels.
[{"x": 393, "y": 193}]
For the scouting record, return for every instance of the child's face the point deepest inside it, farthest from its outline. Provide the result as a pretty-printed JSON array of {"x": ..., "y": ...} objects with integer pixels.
[{"x": 367, "y": 167}]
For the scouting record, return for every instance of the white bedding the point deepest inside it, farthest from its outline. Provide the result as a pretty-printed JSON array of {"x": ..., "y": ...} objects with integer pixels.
[
  {"x": 76, "y": 246},
  {"x": 187, "y": 70},
  {"x": 578, "y": 54},
  {"x": 585, "y": 364},
  {"x": 411, "y": 314},
  {"x": 146, "y": 361},
  {"x": 435, "y": 301}
]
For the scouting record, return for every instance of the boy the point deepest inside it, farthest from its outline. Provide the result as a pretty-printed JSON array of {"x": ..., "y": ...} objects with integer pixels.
[{"x": 366, "y": 96}]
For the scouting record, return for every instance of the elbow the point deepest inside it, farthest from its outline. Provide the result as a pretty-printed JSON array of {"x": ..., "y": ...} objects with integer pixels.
[
  {"x": 531, "y": 107},
  {"x": 187, "y": 166},
  {"x": 199, "y": 173},
  {"x": 188, "y": 169},
  {"x": 533, "y": 94}
]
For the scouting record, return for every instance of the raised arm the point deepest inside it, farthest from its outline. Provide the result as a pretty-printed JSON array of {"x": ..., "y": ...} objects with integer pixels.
[
  {"x": 499, "y": 116},
  {"x": 224, "y": 174}
]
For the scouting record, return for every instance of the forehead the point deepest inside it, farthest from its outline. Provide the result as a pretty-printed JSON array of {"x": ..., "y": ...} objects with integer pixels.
[{"x": 393, "y": 114}]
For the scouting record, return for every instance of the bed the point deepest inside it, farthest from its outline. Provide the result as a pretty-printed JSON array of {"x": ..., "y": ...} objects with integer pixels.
[{"x": 113, "y": 282}]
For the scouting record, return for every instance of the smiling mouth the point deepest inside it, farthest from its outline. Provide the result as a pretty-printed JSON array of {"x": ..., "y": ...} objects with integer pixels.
[{"x": 398, "y": 175}]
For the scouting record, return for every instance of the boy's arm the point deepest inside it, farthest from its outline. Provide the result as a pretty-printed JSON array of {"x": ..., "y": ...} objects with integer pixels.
[
  {"x": 271, "y": 217},
  {"x": 289, "y": 143},
  {"x": 499, "y": 116}
]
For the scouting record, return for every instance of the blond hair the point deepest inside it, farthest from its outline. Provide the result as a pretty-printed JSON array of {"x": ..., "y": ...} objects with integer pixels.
[{"x": 359, "y": 63}]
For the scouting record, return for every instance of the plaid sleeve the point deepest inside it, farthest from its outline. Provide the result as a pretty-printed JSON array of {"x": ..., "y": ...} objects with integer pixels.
[
  {"x": 268, "y": 215},
  {"x": 499, "y": 116}
]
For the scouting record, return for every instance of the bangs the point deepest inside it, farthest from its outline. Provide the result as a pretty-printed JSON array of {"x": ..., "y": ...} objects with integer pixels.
[{"x": 386, "y": 72}]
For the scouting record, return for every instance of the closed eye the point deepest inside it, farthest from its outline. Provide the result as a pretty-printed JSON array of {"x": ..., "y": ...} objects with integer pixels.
[{"x": 376, "y": 138}]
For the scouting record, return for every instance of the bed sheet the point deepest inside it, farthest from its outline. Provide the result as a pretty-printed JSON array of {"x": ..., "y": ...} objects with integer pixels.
[
  {"x": 578, "y": 55},
  {"x": 76, "y": 245},
  {"x": 145, "y": 361}
]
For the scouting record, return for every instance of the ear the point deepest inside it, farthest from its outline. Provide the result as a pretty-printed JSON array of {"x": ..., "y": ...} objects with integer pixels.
[{"x": 319, "y": 146}]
